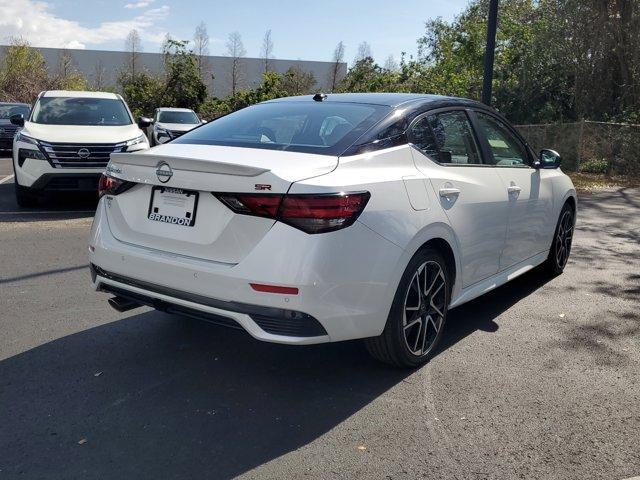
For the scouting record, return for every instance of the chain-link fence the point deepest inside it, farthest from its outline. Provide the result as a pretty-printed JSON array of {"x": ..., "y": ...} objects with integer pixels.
[{"x": 585, "y": 145}]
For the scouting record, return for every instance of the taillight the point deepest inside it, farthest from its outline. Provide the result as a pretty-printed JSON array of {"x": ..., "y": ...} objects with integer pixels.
[
  {"x": 309, "y": 213},
  {"x": 109, "y": 185}
]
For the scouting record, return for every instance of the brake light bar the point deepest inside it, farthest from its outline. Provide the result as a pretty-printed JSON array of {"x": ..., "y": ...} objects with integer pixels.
[{"x": 311, "y": 213}]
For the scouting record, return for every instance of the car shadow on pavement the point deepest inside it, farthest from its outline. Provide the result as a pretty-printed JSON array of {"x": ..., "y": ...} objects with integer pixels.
[
  {"x": 159, "y": 396},
  {"x": 58, "y": 206},
  {"x": 480, "y": 314}
]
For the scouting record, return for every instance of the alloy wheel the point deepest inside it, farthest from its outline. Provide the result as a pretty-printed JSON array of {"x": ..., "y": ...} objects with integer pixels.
[
  {"x": 424, "y": 308},
  {"x": 563, "y": 238}
]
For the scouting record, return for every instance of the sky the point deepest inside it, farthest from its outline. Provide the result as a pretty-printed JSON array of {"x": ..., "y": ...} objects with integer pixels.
[{"x": 300, "y": 30}]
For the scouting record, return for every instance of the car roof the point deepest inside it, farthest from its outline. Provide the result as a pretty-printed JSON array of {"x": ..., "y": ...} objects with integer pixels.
[
  {"x": 174, "y": 109},
  {"x": 386, "y": 99},
  {"x": 80, "y": 94}
]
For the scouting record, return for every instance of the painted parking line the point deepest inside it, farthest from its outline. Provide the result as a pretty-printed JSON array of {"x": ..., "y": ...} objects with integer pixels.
[
  {"x": 51, "y": 212},
  {"x": 6, "y": 179}
]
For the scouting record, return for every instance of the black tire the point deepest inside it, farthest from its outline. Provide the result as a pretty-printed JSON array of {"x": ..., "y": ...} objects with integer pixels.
[
  {"x": 24, "y": 196},
  {"x": 562, "y": 239},
  {"x": 392, "y": 346}
]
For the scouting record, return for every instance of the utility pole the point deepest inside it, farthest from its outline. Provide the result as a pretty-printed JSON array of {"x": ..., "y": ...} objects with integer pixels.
[{"x": 489, "y": 52}]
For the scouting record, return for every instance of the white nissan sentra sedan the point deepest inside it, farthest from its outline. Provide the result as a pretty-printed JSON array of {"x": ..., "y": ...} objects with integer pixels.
[{"x": 334, "y": 217}]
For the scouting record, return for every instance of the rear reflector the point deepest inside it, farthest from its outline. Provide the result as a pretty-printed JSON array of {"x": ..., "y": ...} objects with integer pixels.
[
  {"x": 258, "y": 287},
  {"x": 309, "y": 213}
]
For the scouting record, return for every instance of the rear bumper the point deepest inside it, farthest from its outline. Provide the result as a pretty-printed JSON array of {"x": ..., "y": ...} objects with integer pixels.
[
  {"x": 275, "y": 321},
  {"x": 346, "y": 281}
]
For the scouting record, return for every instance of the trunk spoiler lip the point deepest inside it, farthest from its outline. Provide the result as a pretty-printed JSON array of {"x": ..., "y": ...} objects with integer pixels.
[{"x": 187, "y": 164}]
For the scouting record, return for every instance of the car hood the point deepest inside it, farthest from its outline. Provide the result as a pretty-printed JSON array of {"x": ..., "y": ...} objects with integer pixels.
[
  {"x": 81, "y": 133},
  {"x": 179, "y": 127}
]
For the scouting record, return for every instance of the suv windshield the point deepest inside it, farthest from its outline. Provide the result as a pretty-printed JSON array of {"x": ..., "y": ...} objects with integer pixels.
[
  {"x": 80, "y": 111},
  {"x": 313, "y": 127},
  {"x": 7, "y": 110},
  {"x": 178, "y": 117}
]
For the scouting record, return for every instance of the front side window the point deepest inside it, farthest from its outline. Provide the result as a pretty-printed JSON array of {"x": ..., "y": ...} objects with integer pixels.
[
  {"x": 178, "y": 117},
  {"x": 506, "y": 149},
  {"x": 449, "y": 140},
  {"x": 314, "y": 127},
  {"x": 7, "y": 110},
  {"x": 81, "y": 111}
]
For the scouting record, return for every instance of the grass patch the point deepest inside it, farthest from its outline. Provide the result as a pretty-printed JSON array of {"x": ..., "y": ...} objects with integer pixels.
[{"x": 589, "y": 182}]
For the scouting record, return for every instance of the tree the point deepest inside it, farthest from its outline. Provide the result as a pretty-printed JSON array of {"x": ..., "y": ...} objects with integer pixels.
[
  {"x": 98, "y": 77},
  {"x": 201, "y": 48},
  {"x": 133, "y": 47},
  {"x": 368, "y": 76},
  {"x": 235, "y": 49},
  {"x": 364, "y": 51},
  {"x": 266, "y": 53},
  {"x": 337, "y": 60},
  {"x": 183, "y": 86},
  {"x": 270, "y": 88},
  {"x": 68, "y": 77},
  {"x": 143, "y": 93},
  {"x": 390, "y": 64},
  {"x": 23, "y": 72},
  {"x": 297, "y": 81}
]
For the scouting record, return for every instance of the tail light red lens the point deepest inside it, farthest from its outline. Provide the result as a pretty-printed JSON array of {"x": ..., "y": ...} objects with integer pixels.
[
  {"x": 309, "y": 213},
  {"x": 109, "y": 185}
]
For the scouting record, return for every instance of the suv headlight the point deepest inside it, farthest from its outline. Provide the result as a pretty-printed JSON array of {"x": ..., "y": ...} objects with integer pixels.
[
  {"x": 162, "y": 132},
  {"x": 24, "y": 153},
  {"x": 21, "y": 137},
  {"x": 135, "y": 141}
]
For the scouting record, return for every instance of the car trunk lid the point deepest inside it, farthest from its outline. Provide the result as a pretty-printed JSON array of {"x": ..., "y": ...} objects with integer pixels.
[{"x": 176, "y": 181}]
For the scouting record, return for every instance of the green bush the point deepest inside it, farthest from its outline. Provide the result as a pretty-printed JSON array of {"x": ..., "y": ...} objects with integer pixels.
[{"x": 595, "y": 166}]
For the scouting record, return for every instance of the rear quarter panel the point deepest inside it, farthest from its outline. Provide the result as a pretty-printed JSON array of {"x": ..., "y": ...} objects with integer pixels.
[{"x": 389, "y": 212}]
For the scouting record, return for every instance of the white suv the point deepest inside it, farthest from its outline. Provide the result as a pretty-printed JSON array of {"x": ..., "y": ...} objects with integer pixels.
[
  {"x": 66, "y": 141},
  {"x": 170, "y": 123},
  {"x": 328, "y": 218}
]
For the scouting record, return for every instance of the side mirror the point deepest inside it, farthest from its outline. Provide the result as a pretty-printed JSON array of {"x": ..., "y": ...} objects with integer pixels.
[
  {"x": 144, "y": 122},
  {"x": 17, "y": 119},
  {"x": 548, "y": 159}
]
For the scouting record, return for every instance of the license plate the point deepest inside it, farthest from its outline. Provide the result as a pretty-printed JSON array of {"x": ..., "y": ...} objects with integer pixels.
[{"x": 173, "y": 205}]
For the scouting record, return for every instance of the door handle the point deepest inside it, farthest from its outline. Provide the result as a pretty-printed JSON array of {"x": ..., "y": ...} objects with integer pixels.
[
  {"x": 514, "y": 189},
  {"x": 449, "y": 192}
]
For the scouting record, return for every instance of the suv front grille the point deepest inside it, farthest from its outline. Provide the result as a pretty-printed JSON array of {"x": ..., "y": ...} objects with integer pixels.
[
  {"x": 75, "y": 155},
  {"x": 8, "y": 130}
]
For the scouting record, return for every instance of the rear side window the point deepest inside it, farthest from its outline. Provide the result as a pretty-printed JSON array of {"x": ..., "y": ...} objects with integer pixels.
[
  {"x": 447, "y": 138},
  {"x": 312, "y": 127},
  {"x": 506, "y": 149}
]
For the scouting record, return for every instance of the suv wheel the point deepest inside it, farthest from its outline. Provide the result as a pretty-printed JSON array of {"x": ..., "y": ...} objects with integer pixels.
[{"x": 418, "y": 313}]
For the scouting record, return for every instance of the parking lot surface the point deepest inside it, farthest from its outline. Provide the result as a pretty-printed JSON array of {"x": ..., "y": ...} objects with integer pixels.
[{"x": 538, "y": 379}]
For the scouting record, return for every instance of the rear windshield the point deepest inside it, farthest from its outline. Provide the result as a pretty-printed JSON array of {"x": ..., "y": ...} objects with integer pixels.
[
  {"x": 7, "y": 110},
  {"x": 80, "y": 111},
  {"x": 312, "y": 127},
  {"x": 178, "y": 117}
]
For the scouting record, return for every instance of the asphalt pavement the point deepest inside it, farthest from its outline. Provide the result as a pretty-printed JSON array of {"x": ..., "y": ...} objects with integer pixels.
[{"x": 538, "y": 379}]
